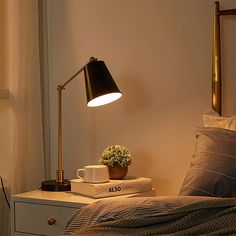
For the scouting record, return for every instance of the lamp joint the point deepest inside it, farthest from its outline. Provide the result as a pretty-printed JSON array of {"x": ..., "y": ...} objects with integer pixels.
[
  {"x": 92, "y": 59},
  {"x": 60, "y": 88}
]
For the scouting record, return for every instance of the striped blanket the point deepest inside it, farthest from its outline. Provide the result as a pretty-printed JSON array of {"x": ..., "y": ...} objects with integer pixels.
[{"x": 207, "y": 216}]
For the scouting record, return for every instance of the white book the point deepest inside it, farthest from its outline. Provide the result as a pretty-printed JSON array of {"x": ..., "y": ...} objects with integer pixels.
[{"x": 111, "y": 188}]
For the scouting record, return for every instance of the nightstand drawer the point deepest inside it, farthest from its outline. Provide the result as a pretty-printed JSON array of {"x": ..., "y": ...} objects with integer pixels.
[{"x": 34, "y": 218}]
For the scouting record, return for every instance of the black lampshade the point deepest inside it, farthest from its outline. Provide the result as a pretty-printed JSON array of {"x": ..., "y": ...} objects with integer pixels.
[{"x": 101, "y": 89}]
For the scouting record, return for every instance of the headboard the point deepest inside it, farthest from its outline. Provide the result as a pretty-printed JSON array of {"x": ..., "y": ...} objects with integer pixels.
[{"x": 216, "y": 58}]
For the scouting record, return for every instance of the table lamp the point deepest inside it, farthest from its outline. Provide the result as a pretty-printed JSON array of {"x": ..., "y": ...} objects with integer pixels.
[{"x": 100, "y": 89}]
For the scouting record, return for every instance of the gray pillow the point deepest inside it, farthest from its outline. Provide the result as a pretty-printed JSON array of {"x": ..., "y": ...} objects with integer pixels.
[{"x": 212, "y": 170}]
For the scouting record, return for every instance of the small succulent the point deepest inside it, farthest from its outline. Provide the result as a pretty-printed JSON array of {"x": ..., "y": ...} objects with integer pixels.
[{"x": 115, "y": 155}]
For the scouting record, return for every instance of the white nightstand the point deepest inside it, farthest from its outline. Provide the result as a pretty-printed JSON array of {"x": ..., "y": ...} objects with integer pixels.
[{"x": 46, "y": 213}]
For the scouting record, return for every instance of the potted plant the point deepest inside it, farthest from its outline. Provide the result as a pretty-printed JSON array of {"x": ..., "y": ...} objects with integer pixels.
[{"x": 117, "y": 158}]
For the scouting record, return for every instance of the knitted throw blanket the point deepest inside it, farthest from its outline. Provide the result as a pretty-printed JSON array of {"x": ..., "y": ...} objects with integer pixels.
[{"x": 208, "y": 217}]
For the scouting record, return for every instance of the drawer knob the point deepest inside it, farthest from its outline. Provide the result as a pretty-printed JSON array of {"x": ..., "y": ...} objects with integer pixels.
[{"x": 51, "y": 221}]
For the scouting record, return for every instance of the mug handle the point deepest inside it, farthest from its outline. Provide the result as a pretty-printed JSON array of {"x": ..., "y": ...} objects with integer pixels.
[{"x": 80, "y": 173}]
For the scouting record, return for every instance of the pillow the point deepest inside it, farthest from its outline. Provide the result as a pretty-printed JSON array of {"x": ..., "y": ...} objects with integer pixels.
[
  {"x": 212, "y": 170},
  {"x": 213, "y": 119}
]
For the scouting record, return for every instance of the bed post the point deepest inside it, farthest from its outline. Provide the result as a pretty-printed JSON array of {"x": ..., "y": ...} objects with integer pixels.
[
  {"x": 216, "y": 63},
  {"x": 216, "y": 58}
]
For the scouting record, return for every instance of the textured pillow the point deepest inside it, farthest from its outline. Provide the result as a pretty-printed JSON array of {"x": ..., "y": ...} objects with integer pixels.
[
  {"x": 212, "y": 119},
  {"x": 212, "y": 170}
]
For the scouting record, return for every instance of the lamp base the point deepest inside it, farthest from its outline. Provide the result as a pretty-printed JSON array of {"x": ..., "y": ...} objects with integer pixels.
[{"x": 52, "y": 185}]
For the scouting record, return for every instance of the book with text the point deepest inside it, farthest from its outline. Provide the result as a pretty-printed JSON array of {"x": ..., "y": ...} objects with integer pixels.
[{"x": 111, "y": 188}]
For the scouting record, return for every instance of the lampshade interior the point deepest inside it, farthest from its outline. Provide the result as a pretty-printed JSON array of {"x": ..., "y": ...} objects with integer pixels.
[{"x": 104, "y": 99}]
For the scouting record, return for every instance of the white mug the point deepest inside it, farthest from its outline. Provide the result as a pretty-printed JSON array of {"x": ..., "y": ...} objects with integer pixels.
[{"x": 94, "y": 174}]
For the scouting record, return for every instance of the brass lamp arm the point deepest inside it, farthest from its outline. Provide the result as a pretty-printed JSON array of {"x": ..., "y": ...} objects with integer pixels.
[
  {"x": 229, "y": 12},
  {"x": 60, "y": 87}
]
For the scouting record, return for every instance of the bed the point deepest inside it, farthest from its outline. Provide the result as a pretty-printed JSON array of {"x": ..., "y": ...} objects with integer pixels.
[{"x": 206, "y": 204}]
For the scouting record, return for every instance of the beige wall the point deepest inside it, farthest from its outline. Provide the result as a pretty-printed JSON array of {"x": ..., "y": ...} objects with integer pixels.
[
  {"x": 4, "y": 115},
  {"x": 159, "y": 52},
  {"x": 3, "y": 44},
  {"x": 4, "y": 103}
]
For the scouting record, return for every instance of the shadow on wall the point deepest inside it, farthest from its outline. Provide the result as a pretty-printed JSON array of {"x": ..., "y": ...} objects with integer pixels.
[
  {"x": 140, "y": 167},
  {"x": 163, "y": 185},
  {"x": 135, "y": 95}
]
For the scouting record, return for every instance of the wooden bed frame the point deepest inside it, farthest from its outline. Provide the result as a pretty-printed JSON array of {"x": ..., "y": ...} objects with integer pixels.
[{"x": 216, "y": 58}]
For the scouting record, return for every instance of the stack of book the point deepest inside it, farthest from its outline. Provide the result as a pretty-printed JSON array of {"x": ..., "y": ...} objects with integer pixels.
[{"x": 111, "y": 188}]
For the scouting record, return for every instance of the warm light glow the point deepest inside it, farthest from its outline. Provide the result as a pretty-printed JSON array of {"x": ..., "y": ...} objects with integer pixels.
[{"x": 104, "y": 99}]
